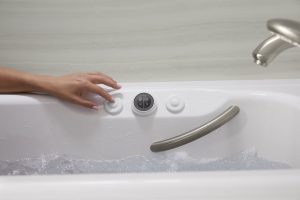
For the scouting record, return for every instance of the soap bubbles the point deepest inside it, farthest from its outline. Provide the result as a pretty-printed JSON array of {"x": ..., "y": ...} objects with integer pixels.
[{"x": 168, "y": 162}]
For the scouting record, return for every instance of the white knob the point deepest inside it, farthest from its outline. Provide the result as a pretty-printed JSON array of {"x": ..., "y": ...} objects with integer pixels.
[
  {"x": 115, "y": 107},
  {"x": 175, "y": 104}
]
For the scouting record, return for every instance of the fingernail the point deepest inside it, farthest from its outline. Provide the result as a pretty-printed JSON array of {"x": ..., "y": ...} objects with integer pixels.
[
  {"x": 119, "y": 86},
  {"x": 95, "y": 107}
]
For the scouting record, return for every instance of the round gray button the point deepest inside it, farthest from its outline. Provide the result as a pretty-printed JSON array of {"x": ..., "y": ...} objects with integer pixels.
[{"x": 143, "y": 104}]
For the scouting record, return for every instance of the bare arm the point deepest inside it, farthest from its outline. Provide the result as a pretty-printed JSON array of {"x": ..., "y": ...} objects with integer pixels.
[
  {"x": 12, "y": 81},
  {"x": 67, "y": 87}
]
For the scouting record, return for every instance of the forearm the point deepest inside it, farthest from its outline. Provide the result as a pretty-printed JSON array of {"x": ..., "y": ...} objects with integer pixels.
[
  {"x": 68, "y": 87},
  {"x": 13, "y": 81}
]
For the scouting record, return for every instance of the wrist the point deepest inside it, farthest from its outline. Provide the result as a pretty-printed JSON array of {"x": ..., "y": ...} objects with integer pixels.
[{"x": 38, "y": 83}]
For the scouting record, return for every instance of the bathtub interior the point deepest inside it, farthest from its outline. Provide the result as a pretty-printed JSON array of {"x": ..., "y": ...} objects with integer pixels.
[{"x": 39, "y": 126}]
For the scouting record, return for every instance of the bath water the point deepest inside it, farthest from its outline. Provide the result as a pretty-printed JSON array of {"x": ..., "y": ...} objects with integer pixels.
[{"x": 168, "y": 162}]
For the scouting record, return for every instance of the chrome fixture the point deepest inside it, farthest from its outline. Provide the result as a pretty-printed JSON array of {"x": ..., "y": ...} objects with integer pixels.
[
  {"x": 144, "y": 104},
  {"x": 196, "y": 133},
  {"x": 286, "y": 34}
]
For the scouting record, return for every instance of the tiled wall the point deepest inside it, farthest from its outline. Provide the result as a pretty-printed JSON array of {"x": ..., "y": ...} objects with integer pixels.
[{"x": 144, "y": 40}]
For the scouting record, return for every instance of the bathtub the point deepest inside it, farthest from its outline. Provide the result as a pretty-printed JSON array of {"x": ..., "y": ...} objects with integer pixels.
[{"x": 267, "y": 123}]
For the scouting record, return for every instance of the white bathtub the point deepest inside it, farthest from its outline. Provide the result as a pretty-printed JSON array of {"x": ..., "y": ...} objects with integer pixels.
[{"x": 269, "y": 118}]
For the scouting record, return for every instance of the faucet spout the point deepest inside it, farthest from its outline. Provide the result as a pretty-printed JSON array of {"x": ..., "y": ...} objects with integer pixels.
[
  {"x": 286, "y": 34},
  {"x": 266, "y": 51}
]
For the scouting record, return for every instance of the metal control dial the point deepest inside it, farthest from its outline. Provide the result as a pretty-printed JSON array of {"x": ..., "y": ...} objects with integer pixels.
[
  {"x": 143, "y": 101},
  {"x": 144, "y": 104}
]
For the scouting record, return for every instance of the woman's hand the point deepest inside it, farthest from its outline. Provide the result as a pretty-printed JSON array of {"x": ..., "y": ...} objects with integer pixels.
[
  {"x": 72, "y": 87},
  {"x": 69, "y": 87}
]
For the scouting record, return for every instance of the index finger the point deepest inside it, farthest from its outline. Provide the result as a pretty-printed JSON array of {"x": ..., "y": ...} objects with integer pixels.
[
  {"x": 104, "y": 80},
  {"x": 100, "y": 91}
]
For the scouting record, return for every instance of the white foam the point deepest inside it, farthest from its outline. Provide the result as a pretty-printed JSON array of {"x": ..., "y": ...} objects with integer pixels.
[{"x": 168, "y": 162}]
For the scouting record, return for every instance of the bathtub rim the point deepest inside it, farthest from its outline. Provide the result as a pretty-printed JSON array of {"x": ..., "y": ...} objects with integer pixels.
[{"x": 254, "y": 184}]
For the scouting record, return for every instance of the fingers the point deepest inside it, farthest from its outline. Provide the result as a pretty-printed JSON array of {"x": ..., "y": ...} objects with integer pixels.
[
  {"x": 100, "y": 91},
  {"x": 74, "y": 84},
  {"x": 100, "y": 74},
  {"x": 96, "y": 79},
  {"x": 84, "y": 102}
]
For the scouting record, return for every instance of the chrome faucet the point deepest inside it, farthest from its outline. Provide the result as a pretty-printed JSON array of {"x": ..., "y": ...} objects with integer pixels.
[{"x": 286, "y": 34}]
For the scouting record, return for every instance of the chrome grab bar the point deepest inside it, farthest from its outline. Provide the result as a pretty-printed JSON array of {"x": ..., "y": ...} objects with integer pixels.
[{"x": 196, "y": 133}]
